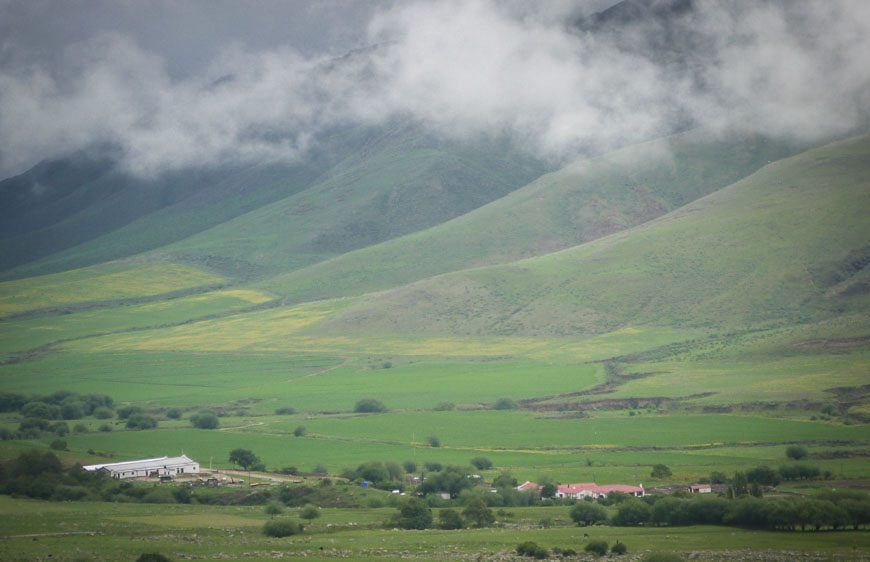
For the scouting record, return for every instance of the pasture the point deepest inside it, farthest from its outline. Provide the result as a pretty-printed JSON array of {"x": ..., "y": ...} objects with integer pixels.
[{"x": 35, "y": 530}]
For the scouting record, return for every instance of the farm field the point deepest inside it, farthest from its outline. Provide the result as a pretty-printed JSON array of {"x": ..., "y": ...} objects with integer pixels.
[{"x": 34, "y": 530}]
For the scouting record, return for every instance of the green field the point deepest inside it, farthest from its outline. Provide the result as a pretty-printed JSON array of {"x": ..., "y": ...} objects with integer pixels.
[{"x": 34, "y": 530}]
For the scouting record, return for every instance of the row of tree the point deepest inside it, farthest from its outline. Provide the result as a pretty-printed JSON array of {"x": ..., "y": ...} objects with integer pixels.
[{"x": 834, "y": 510}]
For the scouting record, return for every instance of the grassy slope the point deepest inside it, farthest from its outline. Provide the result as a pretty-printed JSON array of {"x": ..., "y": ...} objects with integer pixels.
[
  {"x": 397, "y": 182},
  {"x": 786, "y": 245},
  {"x": 582, "y": 202}
]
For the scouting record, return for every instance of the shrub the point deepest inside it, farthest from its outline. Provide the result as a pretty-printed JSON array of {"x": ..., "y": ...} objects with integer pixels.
[
  {"x": 369, "y": 406},
  {"x": 127, "y": 411},
  {"x": 309, "y": 512},
  {"x": 505, "y": 404},
  {"x": 141, "y": 421},
  {"x": 320, "y": 470},
  {"x": 528, "y": 548},
  {"x": 281, "y": 528},
  {"x": 171, "y": 413},
  {"x": 152, "y": 557},
  {"x": 80, "y": 428},
  {"x": 105, "y": 428},
  {"x": 481, "y": 463},
  {"x": 299, "y": 431},
  {"x": 660, "y": 471},
  {"x": 58, "y": 445},
  {"x": 450, "y": 519},
  {"x": 445, "y": 406},
  {"x": 619, "y": 548},
  {"x": 433, "y": 441},
  {"x": 796, "y": 452},
  {"x": 204, "y": 420},
  {"x": 274, "y": 509},
  {"x": 587, "y": 513},
  {"x": 477, "y": 514},
  {"x": 597, "y": 547},
  {"x": 285, "y": 411},
  {"x": 434, "y": 466},
  {"x": 410, "y": 467},
  {"x": 632, "y": 512}
]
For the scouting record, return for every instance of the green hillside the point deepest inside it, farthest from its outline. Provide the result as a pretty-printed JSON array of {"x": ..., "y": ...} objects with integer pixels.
[
  {"x": 586, "y": 200},
  {"x": 786, "y": 245}
]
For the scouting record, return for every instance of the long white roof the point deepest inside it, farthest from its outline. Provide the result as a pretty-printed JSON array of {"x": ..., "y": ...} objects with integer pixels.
[{"x": 143, "y": 464}]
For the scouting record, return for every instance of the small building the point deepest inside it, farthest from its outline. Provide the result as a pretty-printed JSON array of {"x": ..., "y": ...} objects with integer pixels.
[
  {"x": 700, "y": 489},
  {"x": 158, "y": 467},
  {"x": 594, "y": 491},
  {"x": 530, "y": 487}
]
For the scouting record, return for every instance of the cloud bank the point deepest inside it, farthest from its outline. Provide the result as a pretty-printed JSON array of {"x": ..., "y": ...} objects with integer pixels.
[{"x": 461, "y": 68}]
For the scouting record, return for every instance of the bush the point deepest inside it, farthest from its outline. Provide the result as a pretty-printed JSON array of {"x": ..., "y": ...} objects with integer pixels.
[
  {"x": 596, "y": 547},
  {"x": 505, "y": 404},
  {"x": 204, "y": 420},
  {"x": 299, "y": 431},
  {"x": 274, "y": 509},
  {"x": 127, "y": 411},
  {"x": 281, "y": 528},
  {"x": 587, "y": 513},
  {"x": 80, "y": 428},
  {"x": 796, "y": 452},
  {"x": 58, "y": 445},
  {"x": 450, "y": 519},
  {"x": 152, "y": 557},
  {"x": 632, "y": 512},
  {"x": 481, "y": 463},
  {"x": 309, "y": 512},
  {"x": 105, "y": 428},
  {"x": 619, "y": 548},
  {"x": 433, "y": 441},
  {"x": 445, "y": 406},
  {"x": 141, "y": 421},
  {"x": 409, "y": 466},
  {"x": 531, "y": 548},
  {"x": 660, "y": 471},
  {"x": 285, "y": 411},
  {"x": 171, "y": 413},
  {"x": 369, "y": 406}
]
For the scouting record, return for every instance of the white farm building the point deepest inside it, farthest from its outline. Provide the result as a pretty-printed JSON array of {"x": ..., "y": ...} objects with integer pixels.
[{"x": 162, "y": 466}]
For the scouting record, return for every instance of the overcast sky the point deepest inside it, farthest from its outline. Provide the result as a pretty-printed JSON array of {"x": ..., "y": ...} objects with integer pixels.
[{"x": 175, "y": 83}]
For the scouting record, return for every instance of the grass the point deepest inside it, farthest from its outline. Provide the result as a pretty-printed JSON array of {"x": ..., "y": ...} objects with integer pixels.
[
  {"x": 99, "y": 283},
  {"x": 123, "y": 531},
  {"x": 699, "y": 267}
]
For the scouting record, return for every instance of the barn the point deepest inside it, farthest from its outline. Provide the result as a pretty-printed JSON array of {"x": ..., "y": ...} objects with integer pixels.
[{"x": 161, "y": 466}]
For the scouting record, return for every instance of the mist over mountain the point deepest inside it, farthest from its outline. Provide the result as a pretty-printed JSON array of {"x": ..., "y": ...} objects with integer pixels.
[{"x": 558, "y": 81}]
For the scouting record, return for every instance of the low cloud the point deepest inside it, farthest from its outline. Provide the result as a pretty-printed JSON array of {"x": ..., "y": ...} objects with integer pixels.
[{"x": 463, "y": 69}]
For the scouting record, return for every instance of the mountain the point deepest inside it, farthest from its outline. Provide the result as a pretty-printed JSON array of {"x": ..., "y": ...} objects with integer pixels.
[
  {"x": 361, "y": 186},
  {"x": 786, "y": 245}
]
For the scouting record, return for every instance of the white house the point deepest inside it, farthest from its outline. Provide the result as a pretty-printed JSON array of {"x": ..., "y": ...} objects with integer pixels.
[
  {"x": 700, "y": 489},
  {"x": 162, "y": 466}
]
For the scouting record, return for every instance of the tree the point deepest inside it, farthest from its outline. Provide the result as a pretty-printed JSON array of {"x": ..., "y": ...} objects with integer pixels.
[
  {"x": 477, "y": 514},
  {"x": 369, "y": 406},
  {"x": 309, "y": 512},
  {"x": 763, "y": 475},
  {"x": 245, "y": 458},
  {"x": 632, "y": 512},
  {"x": 274, "y": 508},
  {"x": 204, "y": 420},
  {"x": 660, "y": 471},
  {"x": 450, "y": 519},
  {"x": 588, "y": 513},
  {"x": 410, "y": 467},
  {"x": 413, "y": 514},
  {"x": 796, "y": 452},
  {"x": 481, "y": 463},
  {"x": 299, "y": 431},
  {"x": 141, "y": 421}
]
